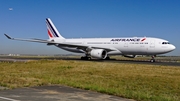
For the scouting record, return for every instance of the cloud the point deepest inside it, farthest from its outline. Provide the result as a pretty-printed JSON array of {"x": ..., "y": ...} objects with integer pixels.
[{"x": 10, "y": 9}]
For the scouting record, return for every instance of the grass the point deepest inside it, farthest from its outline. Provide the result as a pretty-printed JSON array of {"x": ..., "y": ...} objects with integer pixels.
[{"x": 135, "y": 81}]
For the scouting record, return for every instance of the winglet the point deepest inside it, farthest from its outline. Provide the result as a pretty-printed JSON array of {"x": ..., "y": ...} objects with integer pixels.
[{"x": 7, "y": 36}]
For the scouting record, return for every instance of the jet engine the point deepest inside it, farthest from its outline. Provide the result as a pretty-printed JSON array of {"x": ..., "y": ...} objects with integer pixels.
[{"x": 98, "y": 53}]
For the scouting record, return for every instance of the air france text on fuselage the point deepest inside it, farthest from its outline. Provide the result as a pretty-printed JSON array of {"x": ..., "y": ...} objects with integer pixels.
[{"x": 124, "y": 39}]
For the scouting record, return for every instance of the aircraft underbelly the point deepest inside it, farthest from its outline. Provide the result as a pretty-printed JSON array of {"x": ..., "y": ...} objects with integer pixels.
[{"x": 75, "y": 50}]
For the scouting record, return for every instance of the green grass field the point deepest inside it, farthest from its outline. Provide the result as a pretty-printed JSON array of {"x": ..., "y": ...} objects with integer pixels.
[{"x": 135, "y": 81}]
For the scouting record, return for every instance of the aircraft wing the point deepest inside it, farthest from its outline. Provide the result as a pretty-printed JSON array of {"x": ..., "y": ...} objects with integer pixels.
[
  {"x": 63, "y": 44},
  {"x": 31, "y": 40}
]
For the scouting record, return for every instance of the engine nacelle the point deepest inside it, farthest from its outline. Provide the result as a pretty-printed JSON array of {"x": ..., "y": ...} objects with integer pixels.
[
  {"x": 130, "y": 56},
  {"x": 98, "y": 53}
]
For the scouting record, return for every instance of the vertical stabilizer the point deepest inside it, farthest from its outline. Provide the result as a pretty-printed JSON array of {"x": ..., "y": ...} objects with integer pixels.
[{"x": 52, "y": 31}]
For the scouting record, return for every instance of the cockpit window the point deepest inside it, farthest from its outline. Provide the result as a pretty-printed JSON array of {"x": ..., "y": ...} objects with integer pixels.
[{"x": 165, "y": 43}]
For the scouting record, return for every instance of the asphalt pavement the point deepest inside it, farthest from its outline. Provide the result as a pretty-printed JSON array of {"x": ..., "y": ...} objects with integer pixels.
[{"x": 55, "y": 93}]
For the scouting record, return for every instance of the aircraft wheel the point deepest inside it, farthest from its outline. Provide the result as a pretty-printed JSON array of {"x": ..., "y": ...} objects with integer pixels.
[
  {"x": 89, "y": 58},
  {"x": 85, "y": 58},
  {"x": 107, "y": 58},
  {"x": 152, "y": 60},
  {"x": 82, "y": 58}
]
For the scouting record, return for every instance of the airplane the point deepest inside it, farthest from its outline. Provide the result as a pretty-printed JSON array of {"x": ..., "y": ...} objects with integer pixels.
[{"x": 103, "y": 48}]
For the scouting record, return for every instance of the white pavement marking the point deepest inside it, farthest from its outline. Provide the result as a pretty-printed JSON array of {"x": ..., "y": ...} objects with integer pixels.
[{"x": 8, "y": 99}]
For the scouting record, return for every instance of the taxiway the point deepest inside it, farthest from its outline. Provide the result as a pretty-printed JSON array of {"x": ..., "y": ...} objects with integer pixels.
[{"x": 55, "y": 93}]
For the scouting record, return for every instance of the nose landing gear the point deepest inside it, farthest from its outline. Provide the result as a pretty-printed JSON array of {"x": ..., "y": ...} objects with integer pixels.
[{"x": 153, "y": 59}]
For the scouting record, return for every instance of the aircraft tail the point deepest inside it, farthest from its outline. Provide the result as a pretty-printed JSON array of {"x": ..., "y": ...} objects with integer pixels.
[{"x": 52, "y": 31}]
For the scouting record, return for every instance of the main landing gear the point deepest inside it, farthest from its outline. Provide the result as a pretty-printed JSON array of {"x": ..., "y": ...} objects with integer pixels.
[
  {"x": 153, "y": 59},
  {"x": 85, "y": 58},
  {"x": 107, "y": 58}
]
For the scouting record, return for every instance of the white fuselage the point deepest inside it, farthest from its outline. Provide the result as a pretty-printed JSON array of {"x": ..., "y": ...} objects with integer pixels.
[
  {"x": 122, "y": 46},
  {"x": 100, "y": 48}
]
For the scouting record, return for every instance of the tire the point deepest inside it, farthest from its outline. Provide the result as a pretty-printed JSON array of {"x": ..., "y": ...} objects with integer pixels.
[
  {"x": 107, "y": 58},
  {"x": 85, "y": 58},
  {"x": 152, "y": 60}
]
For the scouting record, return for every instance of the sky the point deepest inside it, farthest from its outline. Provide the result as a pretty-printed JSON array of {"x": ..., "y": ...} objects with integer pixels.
[{"x": 86, "y": 19}]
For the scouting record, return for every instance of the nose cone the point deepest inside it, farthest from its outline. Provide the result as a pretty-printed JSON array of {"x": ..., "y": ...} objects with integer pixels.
[{"x": 172, "y": 47}]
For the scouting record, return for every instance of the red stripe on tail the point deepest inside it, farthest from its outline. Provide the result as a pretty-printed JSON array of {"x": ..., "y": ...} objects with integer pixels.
[{"x": 49, "y": 33}]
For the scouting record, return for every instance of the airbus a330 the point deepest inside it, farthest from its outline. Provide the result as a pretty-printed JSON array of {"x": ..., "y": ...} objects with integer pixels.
[{"x": 102, "y": 48}]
